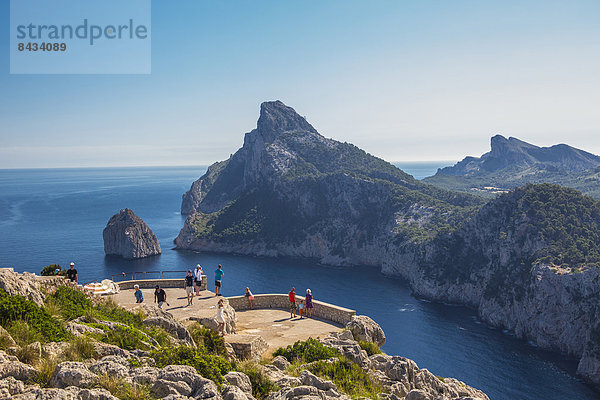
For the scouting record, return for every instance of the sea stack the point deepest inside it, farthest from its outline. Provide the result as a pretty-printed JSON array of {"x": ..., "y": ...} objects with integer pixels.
[{"x": 128, "y": 236}]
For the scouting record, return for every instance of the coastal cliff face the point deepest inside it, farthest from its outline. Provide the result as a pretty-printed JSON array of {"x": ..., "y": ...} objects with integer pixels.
[
  {"x": 526, "y": 260},
  {"x": 128, "y": 236}
]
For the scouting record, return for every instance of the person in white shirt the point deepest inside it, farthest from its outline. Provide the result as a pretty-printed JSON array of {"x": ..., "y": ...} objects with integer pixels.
[{"x": 198, "y": 279}]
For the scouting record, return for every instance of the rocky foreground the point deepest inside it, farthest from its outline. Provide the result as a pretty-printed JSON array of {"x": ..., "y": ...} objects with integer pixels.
[
  {"x": 127, "y": 235},
  {"x": 109, "y": 372}
]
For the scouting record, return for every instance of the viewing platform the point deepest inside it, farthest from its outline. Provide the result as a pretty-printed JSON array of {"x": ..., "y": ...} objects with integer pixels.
[{"x": 269, "y": 320}]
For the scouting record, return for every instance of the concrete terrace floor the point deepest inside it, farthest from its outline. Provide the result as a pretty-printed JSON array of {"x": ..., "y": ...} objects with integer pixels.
[{"x": 274, "y": 325}]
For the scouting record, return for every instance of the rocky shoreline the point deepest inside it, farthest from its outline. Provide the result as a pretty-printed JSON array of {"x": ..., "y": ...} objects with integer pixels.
[{"x": 51, "y": 370}]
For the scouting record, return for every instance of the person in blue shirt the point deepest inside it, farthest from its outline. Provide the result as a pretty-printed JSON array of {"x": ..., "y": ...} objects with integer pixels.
[
  {"x": 218, "y": 275},
  {"x": 139, "y": 296}
]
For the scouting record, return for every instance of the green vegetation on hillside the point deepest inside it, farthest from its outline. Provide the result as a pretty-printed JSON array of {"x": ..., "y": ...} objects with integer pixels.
[
  {"x": 534, "y": 224},
  {"x": 327, "y": 363}
]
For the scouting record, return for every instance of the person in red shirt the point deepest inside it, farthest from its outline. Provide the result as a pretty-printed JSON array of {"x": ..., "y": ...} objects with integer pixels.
[{"x": 292, "y": 297}]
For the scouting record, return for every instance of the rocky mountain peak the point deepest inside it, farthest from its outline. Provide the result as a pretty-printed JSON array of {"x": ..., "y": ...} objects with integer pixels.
[{"x": 276, "y": 118}]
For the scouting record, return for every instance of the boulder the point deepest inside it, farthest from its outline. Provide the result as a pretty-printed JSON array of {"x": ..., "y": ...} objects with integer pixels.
[
  {"x": 162, "y": 319},
  {"x": 163, "y": 388},
  {"x": 183, "y": 374},
  {"x": 128, "y": 236},
  {"x": 11, "y": 366},
  {"x": 281, "y": 362},
  {"x": 144, "y": 375},
  {"x": 363, "y": 328},
  {"x": 72, "y": 374},
  {"x": 81, "y": 330},
  {"x": 54, "y": 349},
  {"x": 113, "y": 366},
  {"x": 92, "y": 394},
  {"x": 7, "y": 340},
  {"x": 309, "y": 379},
  {"x": 305, "y": 393},
  {"x": 25, "y": 285},
  {"x": 229, "y": 315},
  {"x": 37, "y": 393},
  {"x": 417, "y": 394},
  {"x": 10, "y": 386},
  {"x": 240, "y": 380},
  {"x": 235, "y": 393}
]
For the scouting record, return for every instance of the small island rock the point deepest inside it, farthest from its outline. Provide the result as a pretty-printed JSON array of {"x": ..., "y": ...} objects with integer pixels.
[{"x": 128, "y": 236}]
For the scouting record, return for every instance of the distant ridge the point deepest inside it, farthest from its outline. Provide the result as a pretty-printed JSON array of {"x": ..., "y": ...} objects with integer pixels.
[
  {"x": 512, "y": 162},
  {"x": 513, "y": 152}
]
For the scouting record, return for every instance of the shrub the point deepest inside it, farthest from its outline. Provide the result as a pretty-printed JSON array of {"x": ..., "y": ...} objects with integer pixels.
[
  {"x": 28, "y": 355},
  {"x": 80, "y": 349},
  {"x": 120, "y": 388},
  {"x": 22, "y": 333},
  {"x": 262, "y": 385},
  {"x": 48, "y": 270},
  {"x": 159, "y": 334},
  {"x": 348, "y": 377},
  {"x": 45, "y": 370},
  {"x": 211, "y": 340},
  {"x": 40, "y": 323},
  {"x": 125, "y": 337},
  {"x": 307, "y": 351},
  {"x": 72, "y": 303},
  {"x": 369, "y": 347},
  {"x": 210, "y": 366}
]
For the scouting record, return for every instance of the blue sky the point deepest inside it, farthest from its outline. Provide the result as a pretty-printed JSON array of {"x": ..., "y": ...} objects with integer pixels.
[{"x": 404, "y": 80}]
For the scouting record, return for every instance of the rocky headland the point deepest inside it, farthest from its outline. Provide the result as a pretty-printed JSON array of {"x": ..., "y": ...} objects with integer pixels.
[
  {"x": 63, "y": 344},
  {"x": 127, "y": 235},
  {"x": 512, "y": 162},
  {"x": 527, "y": 260}
]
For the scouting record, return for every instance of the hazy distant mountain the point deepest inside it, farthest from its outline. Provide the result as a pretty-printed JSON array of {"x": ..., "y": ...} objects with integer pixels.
[{"x": 513, "y": 162}]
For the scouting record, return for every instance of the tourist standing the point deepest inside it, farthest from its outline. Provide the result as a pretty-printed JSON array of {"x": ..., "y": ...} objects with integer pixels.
[
  {"x": 72, "y": 273},
  {"x": 189, "y": 287},
  {"x": 220, "y": 318},
  {"x": 292, "y": 297},
  {"x": 309, "y": 303},
  {"x": 301, "y": 308},
  {"x": 139, "y": 296},
  {"x": 198, "y": 279},
  {"x": 218, "y": 276},
  {"x": 160, "y": 296},
  {"x": 250, "y": 297}
]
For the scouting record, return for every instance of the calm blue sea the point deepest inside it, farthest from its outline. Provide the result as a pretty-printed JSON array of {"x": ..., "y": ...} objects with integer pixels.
[{"x": 57, "y": 216}]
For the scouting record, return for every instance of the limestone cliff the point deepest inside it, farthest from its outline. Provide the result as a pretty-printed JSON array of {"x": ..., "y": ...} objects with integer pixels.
[
  {"x": 526, "y": 260},
  {"x": 128, "y": 236}
]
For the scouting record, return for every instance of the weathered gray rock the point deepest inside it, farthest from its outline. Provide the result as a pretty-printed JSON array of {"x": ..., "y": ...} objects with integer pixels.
[
  {"x": 128, "y": 236},
  {"x": 7, "y": 339},
  {"x": 92, "y": 394},
  {"x": 240, "y": 380},
  {"x": 72, "y": 374},
  {"x": 162, "y": 319},
  {"x": 182, "y": 374},
  {"x": 309, "y": 379},
  {"x": 54, "y": 349},
  {"x": 228, "y": 314},
  {"x": 113, "y": 366},
  {"x": 305, "y": 393},
  {"x": 11, "y": 366},
  {"x": 365, "y": 329},
  {"x": 10, "y": 386},
  {"x": 24, "y": 284},
  {"x": 235, "y": 393},
  {"x": 280, "y": 362},
  {"x": 163, "y": 387},
  {"x": 144, "y": 375},
  {"x": 36, "y": 393},
  {"x": 81, "y": 330}
]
